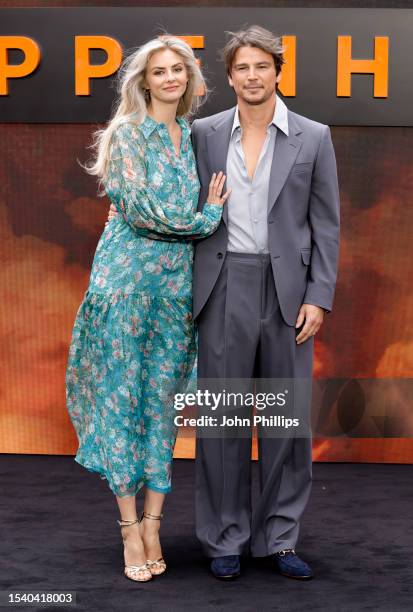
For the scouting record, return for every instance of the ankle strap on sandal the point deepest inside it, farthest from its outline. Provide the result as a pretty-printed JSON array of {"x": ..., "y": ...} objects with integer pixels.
[
  {"x": 127, "y": 523},
  {"x": 150, "y": 516}
]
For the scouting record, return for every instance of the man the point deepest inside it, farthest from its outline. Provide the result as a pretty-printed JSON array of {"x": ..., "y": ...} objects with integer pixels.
[{"x": 262, "y": 283}]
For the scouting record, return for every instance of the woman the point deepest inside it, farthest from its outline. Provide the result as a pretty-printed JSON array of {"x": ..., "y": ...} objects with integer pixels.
[{"x": 133, "y": 342}]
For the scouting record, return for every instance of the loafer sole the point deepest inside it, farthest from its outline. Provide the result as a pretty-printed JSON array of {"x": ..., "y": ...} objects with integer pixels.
[
  {"x": 229, "y": 577},
  {"x": 297, "y": 577}
]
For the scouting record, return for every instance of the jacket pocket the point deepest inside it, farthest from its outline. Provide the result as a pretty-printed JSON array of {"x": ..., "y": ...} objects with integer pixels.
[
  {"x": 302, "y": 167},
  {"x": 306, "y": 256}
]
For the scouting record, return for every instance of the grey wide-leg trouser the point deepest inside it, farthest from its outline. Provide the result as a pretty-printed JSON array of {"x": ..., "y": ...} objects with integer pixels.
[{"x": 242, "y": 334}]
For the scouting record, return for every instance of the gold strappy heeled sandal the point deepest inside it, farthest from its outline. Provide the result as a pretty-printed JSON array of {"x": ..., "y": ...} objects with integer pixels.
[
  {"x": 138, "y": 573},
  {"x": 157, "y": 567}
]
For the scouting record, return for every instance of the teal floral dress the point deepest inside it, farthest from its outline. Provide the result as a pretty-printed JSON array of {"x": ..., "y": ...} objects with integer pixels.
[{"x": 133, "y": 345}]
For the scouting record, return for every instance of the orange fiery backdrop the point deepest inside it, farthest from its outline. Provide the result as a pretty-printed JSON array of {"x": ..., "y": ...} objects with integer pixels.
[{"x": 50, "y": 221}]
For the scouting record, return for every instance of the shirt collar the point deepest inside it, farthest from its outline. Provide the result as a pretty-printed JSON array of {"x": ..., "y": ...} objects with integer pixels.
[
  {"x": 279, "y": 120},
  {"x": 149, "y": 125}
]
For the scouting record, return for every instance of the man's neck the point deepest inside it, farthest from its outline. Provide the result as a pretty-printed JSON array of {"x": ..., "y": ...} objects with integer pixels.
[{"x": 256, "y": 116}]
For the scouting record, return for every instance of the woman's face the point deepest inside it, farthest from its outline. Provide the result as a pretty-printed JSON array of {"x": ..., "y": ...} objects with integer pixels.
[{"x": 166, "y": 76}]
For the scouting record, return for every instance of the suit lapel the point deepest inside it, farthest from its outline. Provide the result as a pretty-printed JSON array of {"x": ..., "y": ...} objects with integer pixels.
[
  {"x": 285, "y": 153},
  {"x": 217, "y": 148}
]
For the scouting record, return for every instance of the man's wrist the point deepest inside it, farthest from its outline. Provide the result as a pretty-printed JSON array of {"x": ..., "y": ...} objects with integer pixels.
[{"x": 317, "y": 305}]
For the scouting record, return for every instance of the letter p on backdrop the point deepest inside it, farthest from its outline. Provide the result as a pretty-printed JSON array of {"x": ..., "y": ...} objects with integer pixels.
[
  {"x": 29, "y": 64},
  {"x": 84, "y": 70}
]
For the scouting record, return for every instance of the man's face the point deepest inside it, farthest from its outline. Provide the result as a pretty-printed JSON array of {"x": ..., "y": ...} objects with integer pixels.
[{"x": 253, "y": 75}]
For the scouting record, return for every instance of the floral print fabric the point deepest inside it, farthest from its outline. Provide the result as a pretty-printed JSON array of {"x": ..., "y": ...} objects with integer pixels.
[{"x": 133, "y": 344}]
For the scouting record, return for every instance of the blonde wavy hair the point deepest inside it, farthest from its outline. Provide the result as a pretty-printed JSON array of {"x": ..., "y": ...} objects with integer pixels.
[{"x": 131, "y": 104}]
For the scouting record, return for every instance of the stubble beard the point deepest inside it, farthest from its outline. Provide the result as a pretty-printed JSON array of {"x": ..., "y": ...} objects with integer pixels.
[{"x": 262, "y": 100}]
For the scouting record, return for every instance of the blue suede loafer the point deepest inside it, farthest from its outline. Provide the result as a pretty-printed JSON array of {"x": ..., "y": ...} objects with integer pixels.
[
  {"x": 226, "y": 568},
  {"x": 289, "y": 564}
]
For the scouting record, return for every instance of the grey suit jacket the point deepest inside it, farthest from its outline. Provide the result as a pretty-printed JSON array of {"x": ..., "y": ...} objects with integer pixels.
[{"x": 303, "y": 212}]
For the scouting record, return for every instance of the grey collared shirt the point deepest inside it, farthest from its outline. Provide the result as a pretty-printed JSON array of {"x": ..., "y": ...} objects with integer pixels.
[{"x": 248, "y": 203}]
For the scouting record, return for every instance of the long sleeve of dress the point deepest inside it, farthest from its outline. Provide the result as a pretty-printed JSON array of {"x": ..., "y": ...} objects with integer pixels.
[{"x": 139, "y": 204}]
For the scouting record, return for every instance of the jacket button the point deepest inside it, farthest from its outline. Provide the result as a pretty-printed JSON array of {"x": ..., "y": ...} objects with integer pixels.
[
  {"x": 219, "y": 255},
  {"x": 271, "y": 221}
]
